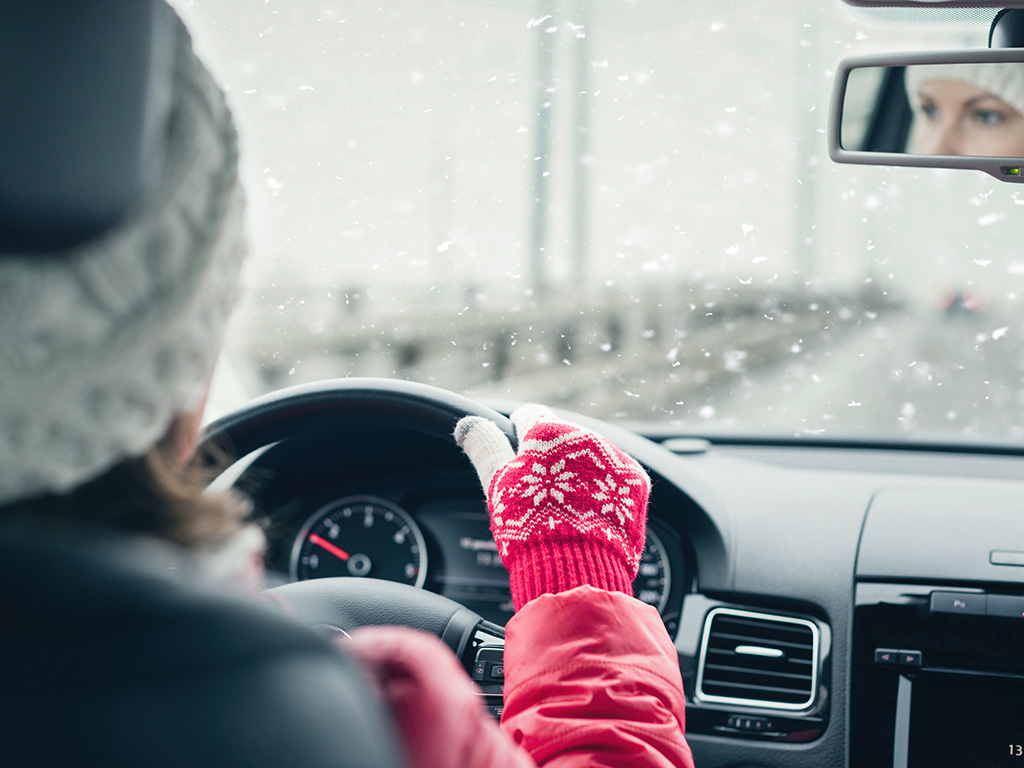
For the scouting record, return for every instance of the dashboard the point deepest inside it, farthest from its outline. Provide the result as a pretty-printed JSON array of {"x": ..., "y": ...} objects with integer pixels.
[
  {"x": 814, "y": 592},
  {"x": 429, "y": 529}
]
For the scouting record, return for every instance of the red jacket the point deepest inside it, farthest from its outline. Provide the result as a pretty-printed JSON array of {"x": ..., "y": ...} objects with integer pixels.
[{"x": 591, "y": 679}]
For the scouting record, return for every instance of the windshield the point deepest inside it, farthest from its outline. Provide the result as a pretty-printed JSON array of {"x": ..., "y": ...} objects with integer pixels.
[{"x": 622, "y": 208}]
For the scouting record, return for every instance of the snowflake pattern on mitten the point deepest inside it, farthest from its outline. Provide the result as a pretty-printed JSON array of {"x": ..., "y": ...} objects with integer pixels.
[{"x": 570, "y": 509}]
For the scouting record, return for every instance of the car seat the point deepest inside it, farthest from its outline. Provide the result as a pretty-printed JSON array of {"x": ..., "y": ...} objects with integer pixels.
[{"x": 110, "y": 657}]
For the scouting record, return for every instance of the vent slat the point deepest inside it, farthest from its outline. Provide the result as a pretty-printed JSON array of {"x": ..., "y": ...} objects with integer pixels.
[
  {"x": 769, "y": 685},
  {"x": 780, "y": 666},
  {"x": 757, "y": 624},
  {"x": 765, "y": 688},
  {"x": 786, "y": 681},
  {"x": 749, "y": 671},
  {"x": 759, "y": 640}
]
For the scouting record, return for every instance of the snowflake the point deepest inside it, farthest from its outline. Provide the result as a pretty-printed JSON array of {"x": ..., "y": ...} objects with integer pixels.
[
  {"x": 616, "y": 499},
  {"x": 545, "y": 482}
]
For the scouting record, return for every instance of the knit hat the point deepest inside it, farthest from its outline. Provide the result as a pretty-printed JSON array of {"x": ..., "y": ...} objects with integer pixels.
[
  {"x": 1005, "y": 80},
  {"x": 102, "y": 345}
]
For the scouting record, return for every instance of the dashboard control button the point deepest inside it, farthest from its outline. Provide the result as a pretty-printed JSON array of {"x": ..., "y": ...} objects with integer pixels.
[
  {"x": 1009, "y": 606},
  {"x": 886, "y": 656},
  {"x": 745, "y": 723},
  {"x": 910, "y": 658},
  {"x": 972, "y": 603},
  {"x": 998, "y": 557},
  {"x": 489, "y": 665}
]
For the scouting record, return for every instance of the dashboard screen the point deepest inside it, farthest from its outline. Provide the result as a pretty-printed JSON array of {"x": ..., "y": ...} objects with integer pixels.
[
  {"x": 969, "y": 721},
  {"x": 471, "y": 572}
]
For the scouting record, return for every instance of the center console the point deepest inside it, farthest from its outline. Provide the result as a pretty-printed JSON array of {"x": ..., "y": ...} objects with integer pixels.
[{"x": 937, "y": 678}]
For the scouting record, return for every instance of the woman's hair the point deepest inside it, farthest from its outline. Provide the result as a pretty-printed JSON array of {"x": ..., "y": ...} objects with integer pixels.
[{"x": 152, "y": 494}]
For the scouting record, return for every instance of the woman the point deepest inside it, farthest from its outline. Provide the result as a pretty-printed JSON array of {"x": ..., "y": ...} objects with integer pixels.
[
  {"x": 120, "y": 643},
  {"x": 967, "y": 109}
]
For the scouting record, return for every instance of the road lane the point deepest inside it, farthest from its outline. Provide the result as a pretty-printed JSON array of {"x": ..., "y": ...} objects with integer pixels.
[{"x": 925, "y": 376}]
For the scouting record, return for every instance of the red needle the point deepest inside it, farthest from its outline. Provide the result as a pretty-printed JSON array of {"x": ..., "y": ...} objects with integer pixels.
[{"x": 329, "y": 547}]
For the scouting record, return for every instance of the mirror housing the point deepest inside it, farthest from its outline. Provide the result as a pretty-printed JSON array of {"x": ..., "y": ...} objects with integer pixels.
[
  {"x": 877, "y": 133},
  {"x": 935, "y": 3}
]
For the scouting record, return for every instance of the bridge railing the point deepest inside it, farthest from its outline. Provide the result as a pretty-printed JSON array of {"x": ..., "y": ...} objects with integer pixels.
[{"x": 592, "y": 351}]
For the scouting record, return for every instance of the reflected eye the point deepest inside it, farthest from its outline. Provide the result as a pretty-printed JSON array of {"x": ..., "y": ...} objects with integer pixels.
[
  {"x": 929, "y": 110},
  {"x": 988, "y": 117}
]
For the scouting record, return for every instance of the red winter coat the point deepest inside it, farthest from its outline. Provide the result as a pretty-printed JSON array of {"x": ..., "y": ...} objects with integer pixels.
[{"x": 591, "y": 679}]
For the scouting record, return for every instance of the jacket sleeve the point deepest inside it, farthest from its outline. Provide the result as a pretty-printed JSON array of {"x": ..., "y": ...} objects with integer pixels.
[
  {"x": 592, "y": 679},
  {"x": 437, "y": 708}
]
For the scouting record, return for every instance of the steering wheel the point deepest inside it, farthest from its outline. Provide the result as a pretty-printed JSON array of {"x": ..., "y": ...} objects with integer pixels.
[{"x": 344, "y": 603}]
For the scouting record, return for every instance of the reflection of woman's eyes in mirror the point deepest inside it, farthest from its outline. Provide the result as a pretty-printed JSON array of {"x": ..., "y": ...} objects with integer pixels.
[
  {"x": 928, "y": 108},
  {"x": 987, "y": 116},
  {"x": 985, "y": 110}
]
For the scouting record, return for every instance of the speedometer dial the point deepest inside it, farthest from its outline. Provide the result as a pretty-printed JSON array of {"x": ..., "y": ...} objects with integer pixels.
[
  {"x": 360, "y": 536},
  {"x": 653, "y": 579}
]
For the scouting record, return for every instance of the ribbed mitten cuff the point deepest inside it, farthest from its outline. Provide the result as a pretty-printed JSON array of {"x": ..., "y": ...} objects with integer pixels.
[{"x": 557, "y": 566}]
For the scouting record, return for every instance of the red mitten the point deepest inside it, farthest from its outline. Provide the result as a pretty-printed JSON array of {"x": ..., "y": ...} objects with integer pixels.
[{"x": 568, "y": 509}]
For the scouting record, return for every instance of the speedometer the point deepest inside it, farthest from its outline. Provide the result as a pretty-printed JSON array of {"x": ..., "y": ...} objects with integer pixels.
[
  {"x": 653, "y": 578},
  {"x": 360, "y": 536}
]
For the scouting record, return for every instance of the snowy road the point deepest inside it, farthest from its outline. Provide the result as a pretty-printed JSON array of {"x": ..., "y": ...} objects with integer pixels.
[{"x": 923, "y": 376}]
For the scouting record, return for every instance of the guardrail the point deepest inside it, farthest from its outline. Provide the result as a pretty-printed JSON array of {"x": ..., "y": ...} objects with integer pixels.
[{"x": 668, "y": 340}]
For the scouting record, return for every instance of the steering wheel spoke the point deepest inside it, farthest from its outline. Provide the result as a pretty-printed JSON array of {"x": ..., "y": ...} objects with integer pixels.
[{"x": 344, "y": 603}]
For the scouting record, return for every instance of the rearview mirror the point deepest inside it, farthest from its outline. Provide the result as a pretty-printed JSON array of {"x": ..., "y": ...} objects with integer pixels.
[
  {"x": 961, "y": 109},
  {"x": 936, "y": 3}
]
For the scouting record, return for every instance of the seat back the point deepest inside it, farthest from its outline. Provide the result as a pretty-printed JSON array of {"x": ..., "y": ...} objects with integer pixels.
[{"x": 115, "y": 655}]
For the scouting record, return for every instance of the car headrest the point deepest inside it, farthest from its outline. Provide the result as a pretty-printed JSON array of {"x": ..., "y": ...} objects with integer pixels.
[{"x": 80, "y": 138}]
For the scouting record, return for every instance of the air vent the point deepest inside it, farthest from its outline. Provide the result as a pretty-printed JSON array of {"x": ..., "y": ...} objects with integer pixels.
[{"x": 758, "y": 660}]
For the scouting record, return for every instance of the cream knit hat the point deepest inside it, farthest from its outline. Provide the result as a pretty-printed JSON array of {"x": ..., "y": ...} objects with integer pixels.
[
  {"x": 1004, "y": 80},
  {"x": 102, "y": 345}
]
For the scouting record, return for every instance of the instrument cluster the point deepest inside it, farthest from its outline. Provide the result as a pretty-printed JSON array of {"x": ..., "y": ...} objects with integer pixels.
[{"x": 443, "y": 545}]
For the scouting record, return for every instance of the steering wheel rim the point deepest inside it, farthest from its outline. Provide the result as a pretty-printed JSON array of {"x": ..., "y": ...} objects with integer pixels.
[
  {"x": 341, "y": 603},
  {"x": 295, "y": 410},
  {"x": 346, "y": 603}
]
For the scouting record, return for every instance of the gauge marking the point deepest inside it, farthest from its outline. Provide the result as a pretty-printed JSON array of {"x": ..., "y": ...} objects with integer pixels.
[
  {"x": 653, "y": 581},
  {"x": 366, "y": 536}
]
